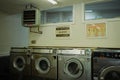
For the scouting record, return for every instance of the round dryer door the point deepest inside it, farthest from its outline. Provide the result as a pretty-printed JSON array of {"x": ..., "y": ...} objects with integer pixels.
[
  {"x": 110, "y": 73},
  {"x": 19, "y": 63},
  {"x": 42, "y": 65},
  {"x": 73, "y": 68}
]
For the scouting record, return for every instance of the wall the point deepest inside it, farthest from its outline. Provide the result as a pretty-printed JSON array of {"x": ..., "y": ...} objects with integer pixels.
[
  {"x": 12, "y": 33},
  {"x": 78, "y": 36}
]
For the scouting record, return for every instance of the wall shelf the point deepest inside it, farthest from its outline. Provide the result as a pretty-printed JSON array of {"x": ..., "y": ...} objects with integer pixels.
[{"x": 35, "y": 30}]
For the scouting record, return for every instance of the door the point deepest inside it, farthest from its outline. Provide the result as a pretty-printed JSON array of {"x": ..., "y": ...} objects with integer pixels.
[
  {"x": 19, "y": 63},
  {"x": 110, "y": 73},
  {"x": 42, "y": 65},
  {"x": 73, "y": 68}
]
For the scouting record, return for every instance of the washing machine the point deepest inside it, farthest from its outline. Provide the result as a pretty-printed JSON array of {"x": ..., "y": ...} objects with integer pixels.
[
  {"x": 106, "y": 64},
  {"x": 74, "y": 64},
  {"x": 20, "y": 63},
  {"x": 44, "y": 64}
]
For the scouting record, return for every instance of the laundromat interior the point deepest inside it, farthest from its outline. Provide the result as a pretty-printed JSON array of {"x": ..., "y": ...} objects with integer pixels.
[{"x": 60, "y": 40}]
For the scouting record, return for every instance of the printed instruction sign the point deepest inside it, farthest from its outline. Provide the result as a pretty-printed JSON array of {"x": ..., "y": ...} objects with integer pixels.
[
  {"x": 63, "y": 32},
  {"x": 96, "y": 30}
]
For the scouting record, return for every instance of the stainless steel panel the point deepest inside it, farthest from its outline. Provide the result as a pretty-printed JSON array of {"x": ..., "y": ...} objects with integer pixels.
[
  {"x": 44, "y": 65},
  {"x": 80, "y": 65}
]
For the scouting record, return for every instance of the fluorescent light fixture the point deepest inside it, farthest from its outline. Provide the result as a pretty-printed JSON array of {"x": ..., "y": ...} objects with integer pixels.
[
  {"x": 53, "y": 1},
  {"x": 88, "y": 11}
]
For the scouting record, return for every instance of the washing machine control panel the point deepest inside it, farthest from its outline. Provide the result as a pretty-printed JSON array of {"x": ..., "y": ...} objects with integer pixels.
[
  {"x": 72, "y": 51},
  {"x": 42, "y": 50},
  {"x": 107, "y": 54},
  {"x": 18, "y": 49}
]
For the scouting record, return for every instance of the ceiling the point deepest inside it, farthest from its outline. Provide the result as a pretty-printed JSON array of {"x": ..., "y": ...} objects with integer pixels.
[{"x": 17, "y": 6}]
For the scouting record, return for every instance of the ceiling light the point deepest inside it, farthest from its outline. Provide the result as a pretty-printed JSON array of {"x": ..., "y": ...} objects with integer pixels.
[{"x": 53, "y": 1}]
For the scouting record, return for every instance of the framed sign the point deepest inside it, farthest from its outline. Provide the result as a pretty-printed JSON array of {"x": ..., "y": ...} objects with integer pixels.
[
  {"x": 96, "y": 30},
  {"x": 63, "y": 32}
]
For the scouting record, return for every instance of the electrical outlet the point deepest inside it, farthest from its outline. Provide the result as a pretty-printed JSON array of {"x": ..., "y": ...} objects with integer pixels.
[{"x": 33, "y": 42}]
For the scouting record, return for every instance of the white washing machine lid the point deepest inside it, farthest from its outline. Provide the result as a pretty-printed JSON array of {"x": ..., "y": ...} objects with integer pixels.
[
  {"x": 110, "y": 73},
  {"x": 19, "y": 63},
  {"x": 73, "y": 68},
  {"x": 42, "y": 65}
]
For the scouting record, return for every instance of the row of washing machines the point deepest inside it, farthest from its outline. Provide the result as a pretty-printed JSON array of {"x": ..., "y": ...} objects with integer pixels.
[
  {"x": 50, "y": 64},
  {"x": 64, "y": 64}
]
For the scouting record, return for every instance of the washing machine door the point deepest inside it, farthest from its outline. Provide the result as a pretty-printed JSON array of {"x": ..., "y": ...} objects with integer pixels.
[
  {"x": 110, "y": 73},
  {"x": 19, "y": 63},
  {"x": 73, "y": 68},
  {"x": 42, "y": 65}
]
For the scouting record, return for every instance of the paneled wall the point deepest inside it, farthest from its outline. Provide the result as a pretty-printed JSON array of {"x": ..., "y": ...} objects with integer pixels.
[
  {"x": 78, "y": 36},
  {"x": 12, "y": 33}
]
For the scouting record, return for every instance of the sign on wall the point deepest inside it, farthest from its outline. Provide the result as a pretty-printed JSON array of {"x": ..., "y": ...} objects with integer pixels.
[
  {"x": 96, "y": 30},
  {"x": 63, "y": 32}
]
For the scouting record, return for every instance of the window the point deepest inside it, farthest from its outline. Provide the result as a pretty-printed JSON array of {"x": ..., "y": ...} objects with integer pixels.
[
  {"x": 57, "y": 15},
  {"x": 102, "y": 10}
]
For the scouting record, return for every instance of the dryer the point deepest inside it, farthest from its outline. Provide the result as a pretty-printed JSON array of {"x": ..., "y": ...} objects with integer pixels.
[
  {"x": 106, "y": 64},
  {"x": 74, "y": 64},
  {"x": 20, "y": 63},
  {"x": 44, "y": 64}
]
